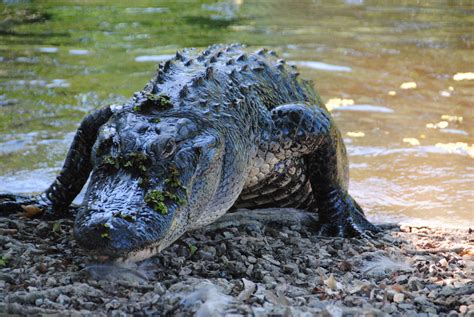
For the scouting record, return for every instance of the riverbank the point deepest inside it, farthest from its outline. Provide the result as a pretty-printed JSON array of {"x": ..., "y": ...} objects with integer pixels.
[{"x": 241, "y": 266}]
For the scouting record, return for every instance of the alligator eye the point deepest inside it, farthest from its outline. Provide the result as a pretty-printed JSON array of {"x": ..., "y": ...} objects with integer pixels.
[{"x": 169, "y": 148}]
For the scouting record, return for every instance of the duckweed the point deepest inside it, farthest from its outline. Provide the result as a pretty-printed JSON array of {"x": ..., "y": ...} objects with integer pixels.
[
  {"x": 155, "y": 199},
  {"x": 126, "y": 217},
  {"x": 105, "y": 234},
  {"x": 158, "y": 102},
  {"x": 173, "y": 181},
  {"x": 135, "y": 161}
]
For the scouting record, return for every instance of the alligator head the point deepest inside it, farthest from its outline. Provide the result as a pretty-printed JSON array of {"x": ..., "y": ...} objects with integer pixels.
[{"x": 150, "y": 175}]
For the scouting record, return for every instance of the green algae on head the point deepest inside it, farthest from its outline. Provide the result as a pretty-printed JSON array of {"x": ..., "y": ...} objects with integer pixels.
[
  {"x": 153, "y": 102},
  {"x": 173, "y": 180},
  {"x": 155, "y": 199},
  {"x": 105, "y": 233},
  {"x": 126, "y": 217},
  {"x": 135, "y": 161}
]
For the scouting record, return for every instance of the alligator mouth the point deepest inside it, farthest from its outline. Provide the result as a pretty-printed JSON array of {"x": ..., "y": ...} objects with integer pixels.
[{"x": 111, "y": 235}]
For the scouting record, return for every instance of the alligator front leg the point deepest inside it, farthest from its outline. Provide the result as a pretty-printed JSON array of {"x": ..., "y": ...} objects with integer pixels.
[
  {"x": 76, "y": 169},
  {"x": 310, "y": 131}
]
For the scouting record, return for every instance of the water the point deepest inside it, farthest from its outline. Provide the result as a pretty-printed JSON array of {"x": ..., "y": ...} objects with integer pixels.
[{"x": 61, "y": 59}]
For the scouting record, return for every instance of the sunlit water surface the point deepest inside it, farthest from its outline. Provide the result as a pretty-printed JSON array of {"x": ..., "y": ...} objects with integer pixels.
[{"x": 390, "y": 73}]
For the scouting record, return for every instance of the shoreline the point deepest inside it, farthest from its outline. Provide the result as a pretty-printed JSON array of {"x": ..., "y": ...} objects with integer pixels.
[{"x": 242, "y": 265}]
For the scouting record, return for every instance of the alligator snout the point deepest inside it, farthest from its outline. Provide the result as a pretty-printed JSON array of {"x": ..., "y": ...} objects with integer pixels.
[
  {"x": 116, "y": 235},
  {"x": 118, "y": 217},
  {"x": 107, "y": 234}
]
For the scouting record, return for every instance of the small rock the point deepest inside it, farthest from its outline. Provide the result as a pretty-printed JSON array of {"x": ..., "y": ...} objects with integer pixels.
[
  {"x": 51, "y": 281},
  {"x": 443, "y": 262},
  {"x": 42, "y": 268},
  {"x": 185, "y": 271},
  {"x": 113, "y": 304},
  {"x": 421, "y": 300},
  {"x": 415, "y": 284},
  {"x": 402, "y": 279},
  {"x": 345, "y": 266},
  {"x": 159, "y": 288},
  {"x": 63, "y": 299},
  {"x": 268, "y": 280},
  {"x": 398, "y": 297},
  {"x": 290, "y": 268}
]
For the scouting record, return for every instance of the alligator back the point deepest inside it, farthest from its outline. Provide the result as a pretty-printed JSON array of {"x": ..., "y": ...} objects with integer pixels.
[{"x": 228, "y": 82}]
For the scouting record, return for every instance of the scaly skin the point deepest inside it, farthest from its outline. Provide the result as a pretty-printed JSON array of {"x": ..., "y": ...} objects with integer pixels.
[{"x": 210, "y": 131}]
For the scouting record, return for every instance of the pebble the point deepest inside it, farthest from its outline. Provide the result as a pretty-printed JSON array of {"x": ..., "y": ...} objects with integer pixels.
[
  {"x": 288, "y": 265},
  {"x": 63, "y": 299}
]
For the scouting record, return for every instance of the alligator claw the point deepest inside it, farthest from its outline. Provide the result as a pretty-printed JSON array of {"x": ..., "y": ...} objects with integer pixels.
[{"x": 347, "y": 220}]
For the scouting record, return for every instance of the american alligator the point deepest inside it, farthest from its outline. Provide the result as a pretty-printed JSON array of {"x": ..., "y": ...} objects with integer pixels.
[{"x": 211, "y": 131}]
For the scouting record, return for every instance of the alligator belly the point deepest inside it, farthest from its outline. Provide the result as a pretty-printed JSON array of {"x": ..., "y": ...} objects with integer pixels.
[{"x": 286, "y": 185}]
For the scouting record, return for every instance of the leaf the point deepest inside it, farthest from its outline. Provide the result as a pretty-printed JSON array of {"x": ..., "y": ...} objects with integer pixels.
[
  {"x": 31, "y": 210},
  {"x": 469, "y": 252},
  {"x": 331, "y": 282},
  {"x": 3, "y": 261},
  {"x": 192, "y": 249},
  {"x": 57, "y": 227}
]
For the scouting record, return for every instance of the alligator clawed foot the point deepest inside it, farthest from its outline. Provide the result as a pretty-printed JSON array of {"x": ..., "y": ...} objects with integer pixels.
[{"x": 348, "y": 220}]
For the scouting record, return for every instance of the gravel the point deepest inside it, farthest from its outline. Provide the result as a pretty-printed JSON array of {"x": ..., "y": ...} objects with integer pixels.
[{"x": 245, "y": 264}]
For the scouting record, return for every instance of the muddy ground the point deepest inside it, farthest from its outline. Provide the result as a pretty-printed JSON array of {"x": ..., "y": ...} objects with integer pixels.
[{"x": 241, "y": 265}]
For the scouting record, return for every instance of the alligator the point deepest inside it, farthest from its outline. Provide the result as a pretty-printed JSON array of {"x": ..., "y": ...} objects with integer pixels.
[{"x": 212, "y": 131}]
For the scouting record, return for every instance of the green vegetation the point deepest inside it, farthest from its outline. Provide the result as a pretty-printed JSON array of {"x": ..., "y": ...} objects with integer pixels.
[
  {"x": 134, "y": 162},
  {"x": 126, "y": 217},
  {"x": 173, "y": 180},
  {"x": 57, "y": 227},
  {"x": 155, "y": 199},
  {"x": 105, "y": 233},
  {"x": 3, "y": 261},
  {"x": 152, "y": 102},
  {"x": 192, "y": 249}
]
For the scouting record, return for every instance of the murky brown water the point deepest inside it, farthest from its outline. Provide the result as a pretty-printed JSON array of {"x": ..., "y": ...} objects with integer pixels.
[{"x": 61, "y": 59}]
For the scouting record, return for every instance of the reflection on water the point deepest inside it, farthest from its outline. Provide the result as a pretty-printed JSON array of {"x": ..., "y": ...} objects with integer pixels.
[{"x": 397, "y": 77}]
